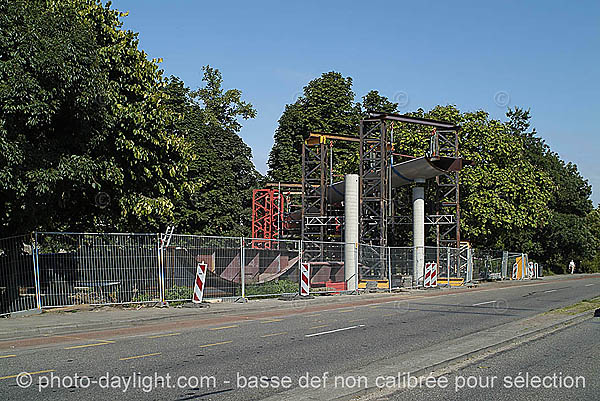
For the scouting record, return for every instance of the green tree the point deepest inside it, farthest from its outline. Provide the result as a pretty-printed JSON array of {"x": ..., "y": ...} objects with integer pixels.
[
  {"x": 503, "y": 196},
  {"x": 327, "y": 106},
  {"x": 209, "y": 120},
  {"x": 566, "y": 233},
  {"x": 592, "y": 264},
  {"x": 373, "y": 101},
  {"x": 84, "y": 135}
]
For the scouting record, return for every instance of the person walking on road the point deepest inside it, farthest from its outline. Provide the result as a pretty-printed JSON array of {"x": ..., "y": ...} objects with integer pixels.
[{"x": 572, "y": 266}]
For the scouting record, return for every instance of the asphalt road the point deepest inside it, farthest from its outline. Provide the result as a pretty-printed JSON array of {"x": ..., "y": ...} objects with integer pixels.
[
  {"x": 221, "y": 361},
  {"x": 566, "y": 364}
]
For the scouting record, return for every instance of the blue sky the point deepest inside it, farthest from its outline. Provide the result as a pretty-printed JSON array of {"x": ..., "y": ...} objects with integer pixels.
[{"x": 543, "y": 55}]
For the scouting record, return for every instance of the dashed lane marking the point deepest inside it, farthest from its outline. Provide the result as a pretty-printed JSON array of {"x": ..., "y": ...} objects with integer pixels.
[
  {"x": 214, "y": 344},
  {"x": 484, "y": 303},
  {"x": 90, "y": 345},
  {"x": 139, "y": 356},
  {"x": 271, "y": 321},
  {"x": 165, "y": 335},
  {"x": 29, "y": 373},
  {"x": 334, "y": 331},
  {"x": 224, "y": 327}
]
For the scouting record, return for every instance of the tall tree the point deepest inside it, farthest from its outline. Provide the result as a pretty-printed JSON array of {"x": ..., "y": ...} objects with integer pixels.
[
  {"x": 83, "y": 123},
  {"x": 209, "y": 120},
  {"x": 565, "y": 234},
  {"x": 327, "y": 106}
]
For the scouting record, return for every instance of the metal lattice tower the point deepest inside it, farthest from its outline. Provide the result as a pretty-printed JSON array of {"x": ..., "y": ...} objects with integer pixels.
[{"x": 314, "y": 198}]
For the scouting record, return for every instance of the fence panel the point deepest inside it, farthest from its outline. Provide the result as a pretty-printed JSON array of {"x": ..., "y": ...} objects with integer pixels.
[
  {"x": 374, "y": 267},
  {"x": 273, "y": 269},
  {"x": 81, "y": 268},
  {"x": 401, "y": 260},
  {"x": 222, "y": 256},
  {"x": 327, "y": 274},
  {"x": 17, "y": 278},
  {"x": 487, "y": 264}
]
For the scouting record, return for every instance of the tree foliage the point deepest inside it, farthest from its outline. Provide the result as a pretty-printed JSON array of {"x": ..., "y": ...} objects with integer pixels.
[
  {"x": 327, "y": 106},
  {"x": 83, "y": 123},
  {"x": 209, "y": 120}
]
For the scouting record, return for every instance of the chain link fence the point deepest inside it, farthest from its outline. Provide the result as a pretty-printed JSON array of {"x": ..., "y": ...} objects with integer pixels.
[{"x": 55, "y": 269}]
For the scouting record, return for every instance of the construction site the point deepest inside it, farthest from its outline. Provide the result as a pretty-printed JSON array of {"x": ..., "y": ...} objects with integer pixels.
[{"x": 334, "y": 234}]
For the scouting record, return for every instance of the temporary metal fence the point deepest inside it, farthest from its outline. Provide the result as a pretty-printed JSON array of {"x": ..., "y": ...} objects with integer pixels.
[
  {"x": 19, "y": 284},
  {"x": 54, "y": 269}
]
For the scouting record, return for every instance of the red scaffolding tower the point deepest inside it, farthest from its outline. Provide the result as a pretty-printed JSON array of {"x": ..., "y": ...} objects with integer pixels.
[{"x": 267, "y": 217}]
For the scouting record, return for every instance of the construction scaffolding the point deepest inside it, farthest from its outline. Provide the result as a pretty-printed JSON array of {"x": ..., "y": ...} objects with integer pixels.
[{"x": 320, "y": 219}]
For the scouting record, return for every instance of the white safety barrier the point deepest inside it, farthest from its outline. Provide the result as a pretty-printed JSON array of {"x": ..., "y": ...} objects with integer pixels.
[
  {"x": 305, "y": 279},
  {"x": 533, "y": 270},
  {"x": 431, "y": 274},
  {"x": 199, "y": 285}
]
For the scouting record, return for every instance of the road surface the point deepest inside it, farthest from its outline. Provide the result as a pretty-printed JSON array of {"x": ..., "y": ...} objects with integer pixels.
[{"x": 222, "y": 361}]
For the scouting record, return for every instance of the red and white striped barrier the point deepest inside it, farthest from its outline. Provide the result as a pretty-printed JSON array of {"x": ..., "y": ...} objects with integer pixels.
[
  {"x": 305, "y": 279},
  {"x": 533, "y": 270},
  {"x": 199, "y": 285},
  {"x": 431, "y": 274}
]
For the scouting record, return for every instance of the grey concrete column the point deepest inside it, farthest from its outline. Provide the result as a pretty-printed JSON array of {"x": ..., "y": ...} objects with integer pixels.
[
  {"x": 419, "y": 231},
  {"x": 351, "y": 230}
]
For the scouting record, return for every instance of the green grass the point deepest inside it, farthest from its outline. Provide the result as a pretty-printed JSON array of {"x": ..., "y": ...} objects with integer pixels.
[{"x": 579, "y": 307}]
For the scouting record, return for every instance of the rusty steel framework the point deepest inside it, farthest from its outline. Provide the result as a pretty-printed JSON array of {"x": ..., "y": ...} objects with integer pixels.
[
  {"x": 377, "y": 195},
  {"x": 319, "y": 220},
  {"x": 314, "y": 198}
]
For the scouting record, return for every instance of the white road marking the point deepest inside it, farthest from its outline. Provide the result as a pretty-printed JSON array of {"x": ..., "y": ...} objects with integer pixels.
[
  {"x": 484, "y": 303},
  {"x": 589, "y": 285},
  {"x": 550, "y": 291},
  {"x": 334, "y": 331}
]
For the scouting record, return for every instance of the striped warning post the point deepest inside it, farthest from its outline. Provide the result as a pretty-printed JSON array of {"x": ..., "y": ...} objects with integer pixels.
[
  {"x": 305, "y": 279},
  {"x": 427, "y": 276},
  {"x": 434, "y": 275},
  {"x": 514, "y": 272},
  {"x": 430, "y": 278},
  {"x": 199, "y": 285}
]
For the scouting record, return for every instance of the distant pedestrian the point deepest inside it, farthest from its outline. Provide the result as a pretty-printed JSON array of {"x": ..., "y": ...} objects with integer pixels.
[{"x": 572, "y": 266}]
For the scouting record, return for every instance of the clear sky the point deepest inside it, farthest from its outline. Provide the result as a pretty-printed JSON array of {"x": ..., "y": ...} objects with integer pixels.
[{"x": 543, "y": 55}]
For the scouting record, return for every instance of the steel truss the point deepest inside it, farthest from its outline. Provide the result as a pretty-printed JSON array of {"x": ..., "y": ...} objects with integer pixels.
[
  {"x": 376, "y": 195},
  {"x": 314, "y": 198}
]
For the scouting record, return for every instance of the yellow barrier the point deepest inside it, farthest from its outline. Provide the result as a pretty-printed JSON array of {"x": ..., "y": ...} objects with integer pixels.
[
  {"x": 454, "y": 281},
  {"x": 380, "y": 284}
]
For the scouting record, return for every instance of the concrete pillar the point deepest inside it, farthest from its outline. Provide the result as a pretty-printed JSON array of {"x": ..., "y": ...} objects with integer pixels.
[
  {"x": 419, "y": 231},
  {"x": 351, "y": 230}
]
